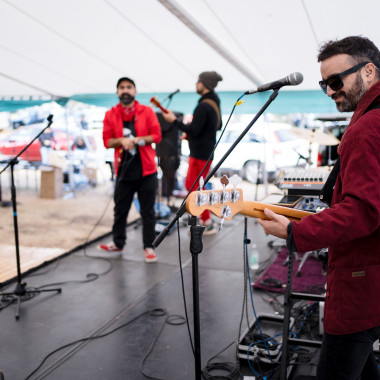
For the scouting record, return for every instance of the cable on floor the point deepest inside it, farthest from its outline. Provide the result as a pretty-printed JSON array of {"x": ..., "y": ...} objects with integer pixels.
[{"x": 157, "y": 312}]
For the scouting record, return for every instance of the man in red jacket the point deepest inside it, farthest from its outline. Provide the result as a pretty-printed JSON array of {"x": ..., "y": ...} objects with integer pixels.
[
  {"x": 130, "y": 128},
  {"x": 350, "y": 228}
]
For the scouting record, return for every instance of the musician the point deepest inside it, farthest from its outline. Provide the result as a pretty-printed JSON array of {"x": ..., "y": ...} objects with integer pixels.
[
  {"x": 201, "y": 133},
  {"x": 130, "y": 128},
  {"x": 351, "y": 227}
]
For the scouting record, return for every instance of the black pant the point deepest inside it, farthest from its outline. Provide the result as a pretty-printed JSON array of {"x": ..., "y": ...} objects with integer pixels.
[
  {"x": 349, "y": 357},
  {"x": 169, "y": 166},
  {"x": 123, "y": 197}
]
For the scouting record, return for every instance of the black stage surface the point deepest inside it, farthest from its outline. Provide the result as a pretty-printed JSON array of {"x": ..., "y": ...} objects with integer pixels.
[{"x": 130, "y": 291}]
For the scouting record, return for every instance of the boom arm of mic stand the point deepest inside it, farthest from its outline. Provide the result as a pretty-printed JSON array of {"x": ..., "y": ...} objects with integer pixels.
[
  {"x": 182, "y": 209},
  {"x": 14, "y": 159}
]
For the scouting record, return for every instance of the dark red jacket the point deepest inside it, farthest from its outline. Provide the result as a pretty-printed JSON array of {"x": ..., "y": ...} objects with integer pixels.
[
  {"x": 146, "y": 123},
  {"x": 351, "y": 227}
]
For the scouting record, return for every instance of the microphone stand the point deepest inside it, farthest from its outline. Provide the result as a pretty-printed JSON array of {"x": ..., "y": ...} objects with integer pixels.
[
  {"x": 170, "y": 98},
  {"x": 196, "y": 245},
  {"x": 21, "y": 289}
]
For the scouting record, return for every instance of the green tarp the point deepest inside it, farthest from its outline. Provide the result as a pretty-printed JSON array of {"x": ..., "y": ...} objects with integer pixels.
[{"x": 287, "y": 102}]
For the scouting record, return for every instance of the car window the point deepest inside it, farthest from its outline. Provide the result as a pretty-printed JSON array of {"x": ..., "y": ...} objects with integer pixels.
[
  {"x": 231, "y": 136},
  {"x": 283, "y": 135}
]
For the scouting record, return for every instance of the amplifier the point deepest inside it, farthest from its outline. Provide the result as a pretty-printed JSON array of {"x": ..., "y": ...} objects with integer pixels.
[
  {"x": 251, "y": 343},
  {"x": 310, "y": 203},
  {"x": 303, "y": 181}
]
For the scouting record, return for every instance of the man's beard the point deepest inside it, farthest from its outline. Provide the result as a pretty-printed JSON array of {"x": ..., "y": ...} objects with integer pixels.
[
  {"x": 126, "y": 99},
  {"x": 351, "y": 98}
]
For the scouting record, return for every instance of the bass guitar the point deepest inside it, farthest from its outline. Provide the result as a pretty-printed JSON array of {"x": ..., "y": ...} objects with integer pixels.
[
  {"x": 227, "y": 203},
  {"x": 157, "y": 103}
]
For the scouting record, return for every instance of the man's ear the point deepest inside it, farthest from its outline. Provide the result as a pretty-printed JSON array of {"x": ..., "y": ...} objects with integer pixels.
[{"x": 370, "y": 71}]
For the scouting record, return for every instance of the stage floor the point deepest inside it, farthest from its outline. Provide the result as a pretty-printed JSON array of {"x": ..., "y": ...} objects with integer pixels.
[{"x": 139, "y": 300}]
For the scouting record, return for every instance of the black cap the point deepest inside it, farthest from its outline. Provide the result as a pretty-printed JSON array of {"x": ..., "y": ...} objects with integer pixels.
[
  {"x": 210, "y": 79},
  {"x": 123, "y": 79}
]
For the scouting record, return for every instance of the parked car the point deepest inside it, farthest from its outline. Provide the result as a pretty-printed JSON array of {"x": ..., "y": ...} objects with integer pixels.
[
  {"x": 12, "y": 143},
  {"x": 267, "y": 145}
]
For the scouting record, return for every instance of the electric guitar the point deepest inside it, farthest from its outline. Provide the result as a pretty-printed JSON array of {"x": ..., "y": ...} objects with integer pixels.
[
  {"x": 157, "y": 103},
  {"x": 227, "y": 203}
]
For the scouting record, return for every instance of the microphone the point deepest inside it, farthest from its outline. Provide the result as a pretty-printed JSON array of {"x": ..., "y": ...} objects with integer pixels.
[
  {"x": 293, "y": 79},
  {"x": 173, "y": 93}
]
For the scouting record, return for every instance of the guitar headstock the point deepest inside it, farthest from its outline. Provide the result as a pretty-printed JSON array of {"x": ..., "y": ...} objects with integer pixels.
[
  {"x": 155, "y": 101},
  {"x": 222, "y": 203}
]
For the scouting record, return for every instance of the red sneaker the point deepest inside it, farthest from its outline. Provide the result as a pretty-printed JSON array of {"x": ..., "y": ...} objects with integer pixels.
[
  {"x": 110, "y": 247},
  {"x": 150, "y": 255}
]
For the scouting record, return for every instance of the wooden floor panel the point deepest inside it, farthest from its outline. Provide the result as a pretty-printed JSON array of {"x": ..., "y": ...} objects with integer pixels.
[{"x": 30, "y": 257}]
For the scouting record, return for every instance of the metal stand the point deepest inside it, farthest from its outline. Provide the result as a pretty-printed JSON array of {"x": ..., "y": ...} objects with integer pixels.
[
  {"x": 288, "y": 297},
  {"x": 196, "y": 247},
  {"x": 196, "y": 234},
  {"x": 21, "y": 289}
]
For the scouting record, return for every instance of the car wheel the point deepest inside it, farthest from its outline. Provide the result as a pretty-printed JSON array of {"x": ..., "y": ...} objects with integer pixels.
[{"x": 252, "y": 171}]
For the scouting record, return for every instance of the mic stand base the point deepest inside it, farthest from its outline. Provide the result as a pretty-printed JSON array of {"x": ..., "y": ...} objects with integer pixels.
[
  {"x": 6, "y": 204},
  {"x": 21, "y": 290}
]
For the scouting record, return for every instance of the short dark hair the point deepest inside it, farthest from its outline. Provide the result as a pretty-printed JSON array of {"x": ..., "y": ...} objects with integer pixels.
[
  {"x": 359, "y": 48},
  {"x": 125, "y": 79}
]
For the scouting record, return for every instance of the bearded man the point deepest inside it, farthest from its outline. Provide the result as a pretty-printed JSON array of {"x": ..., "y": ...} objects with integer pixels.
[
  {"x": 130, "y": 128},
  {"x": 350, "y": 228}
]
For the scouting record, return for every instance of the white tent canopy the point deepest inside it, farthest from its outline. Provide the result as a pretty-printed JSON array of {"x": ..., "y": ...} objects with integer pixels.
[{"x": 71, "y": 47}]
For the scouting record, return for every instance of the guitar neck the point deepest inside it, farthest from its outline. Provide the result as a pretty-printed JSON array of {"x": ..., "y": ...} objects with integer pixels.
[{"x": 256, "y": 210}]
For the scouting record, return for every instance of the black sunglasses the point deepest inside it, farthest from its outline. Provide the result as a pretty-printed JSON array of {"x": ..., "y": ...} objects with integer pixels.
[{"x": 335, "y": 81}]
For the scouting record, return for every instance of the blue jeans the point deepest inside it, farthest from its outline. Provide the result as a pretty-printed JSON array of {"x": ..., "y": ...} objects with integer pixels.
[{"x": 349, "y": 357}]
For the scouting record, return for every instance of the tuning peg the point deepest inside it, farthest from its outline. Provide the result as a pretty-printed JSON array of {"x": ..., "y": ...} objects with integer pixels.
[
  {"x": 235, "y": 180},
  {"x": 201, "y": 183},
  {"x": 224, "y": 181}
]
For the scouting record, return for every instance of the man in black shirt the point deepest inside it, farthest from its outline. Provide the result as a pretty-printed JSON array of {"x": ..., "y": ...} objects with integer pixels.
[{"x": 201, "y": 134}]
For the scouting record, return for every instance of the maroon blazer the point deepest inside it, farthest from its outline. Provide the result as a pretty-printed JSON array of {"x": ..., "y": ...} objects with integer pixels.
[{"x": 351, "y": 227}]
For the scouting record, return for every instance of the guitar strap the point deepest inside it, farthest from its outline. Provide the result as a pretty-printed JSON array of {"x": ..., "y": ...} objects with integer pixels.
[
  {"x": 216, "y": 108},
  {"x": 328, "y": 188}
]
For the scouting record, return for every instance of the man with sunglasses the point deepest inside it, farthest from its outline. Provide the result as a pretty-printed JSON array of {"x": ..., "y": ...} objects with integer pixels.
[{"x": 351, "y": 226}]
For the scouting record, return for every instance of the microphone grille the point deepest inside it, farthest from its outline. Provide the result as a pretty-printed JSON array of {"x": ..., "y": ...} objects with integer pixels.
[{"x": 295, "y": 79}]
